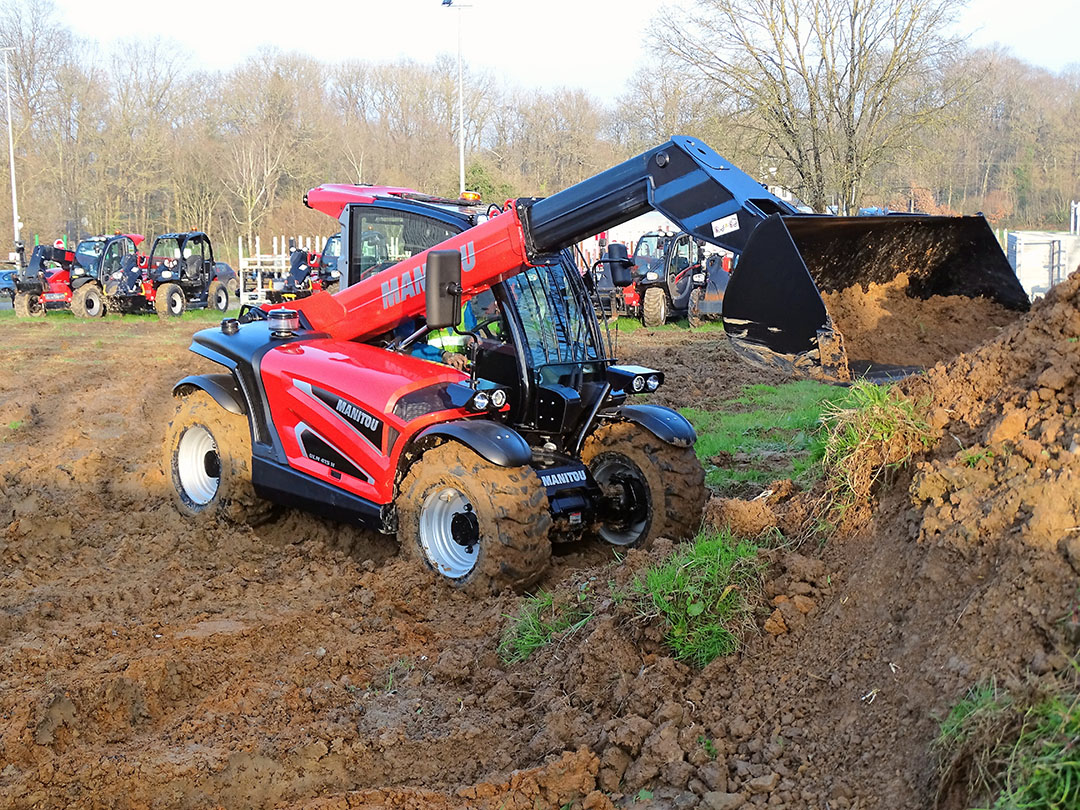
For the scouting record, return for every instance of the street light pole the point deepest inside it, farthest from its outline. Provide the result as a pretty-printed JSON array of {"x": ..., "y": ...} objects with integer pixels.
[
  {"x": 461, "y": 100},
  {"x": 11, "y": 148}
]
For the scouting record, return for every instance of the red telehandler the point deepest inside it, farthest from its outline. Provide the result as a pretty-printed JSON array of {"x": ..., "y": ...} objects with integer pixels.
[{"x": 326, "y": 405}]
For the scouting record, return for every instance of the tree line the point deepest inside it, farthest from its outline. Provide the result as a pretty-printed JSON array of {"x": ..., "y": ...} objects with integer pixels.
[{"x": 847, "y": 104}]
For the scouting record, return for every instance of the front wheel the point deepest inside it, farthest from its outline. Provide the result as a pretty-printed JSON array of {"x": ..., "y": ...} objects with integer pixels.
[
  {"x": 654, "y": 307},
  {"x": 208, "y": 462},
  {"x": 218, "y": 296},
  {"x": 88, "y": 302},
  {"x": 480, "y": 526},
  {"x": 654, "y": 489},
  {"x": 28, "y": 306},
  {"x": 169, "y": 301},
  {"x": 693, "y": 308}
]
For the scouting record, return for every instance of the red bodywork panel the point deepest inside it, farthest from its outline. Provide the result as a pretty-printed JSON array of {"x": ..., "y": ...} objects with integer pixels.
[
  {"x": 370, "y": 378},
  {"x": 630, "y": 295},
  {"x": 490, "y": 252},
  {"x": 331, "y": 199},
  {"x": 59, "y": 289}
]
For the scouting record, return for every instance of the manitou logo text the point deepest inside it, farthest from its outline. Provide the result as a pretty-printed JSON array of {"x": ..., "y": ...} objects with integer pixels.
[
  {"x": 573, "y": 477},
  {"x": 357, "y": 415},
  {"x": 411, "y": 282}
]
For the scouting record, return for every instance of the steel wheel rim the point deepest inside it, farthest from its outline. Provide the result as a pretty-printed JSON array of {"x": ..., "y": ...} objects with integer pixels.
[
  {"x": 604, "y": 473},
  {"x": 93, "y": 304},
  {"x": 196, "y": 459},
  {"x": 221, "y": 300},
  {"x": 446, "y": 555},
  {"x": 176, "y": 303}
]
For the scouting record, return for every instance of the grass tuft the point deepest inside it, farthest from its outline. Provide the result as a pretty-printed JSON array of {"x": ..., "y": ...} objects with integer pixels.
[
  {"x": 537, "y": 623},
  {"x": 705, "y": 593},
  {"x": 875, "y": 430},
  {"x": 1007, "y": 752}
]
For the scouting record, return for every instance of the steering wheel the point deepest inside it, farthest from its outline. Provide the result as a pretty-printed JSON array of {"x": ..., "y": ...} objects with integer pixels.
[{"x": 484, "y": 327}]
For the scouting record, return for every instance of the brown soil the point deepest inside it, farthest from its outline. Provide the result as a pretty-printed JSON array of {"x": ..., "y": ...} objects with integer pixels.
[
  {"x": 148, "y": 661},
  {"x": 883, "y": 325}
]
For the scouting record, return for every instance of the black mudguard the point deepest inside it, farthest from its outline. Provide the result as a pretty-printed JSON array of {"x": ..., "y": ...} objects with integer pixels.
[
  {"x": 222, "y": 387},
  {"x": 489, "y": 440},
  {"x": 667, "y": 425}
]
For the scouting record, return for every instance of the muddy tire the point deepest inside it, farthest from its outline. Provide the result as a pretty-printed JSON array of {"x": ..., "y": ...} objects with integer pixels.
[
  {"x": 218, "y": 296},
  {"x": 28, "y": 306},
  {"x": 693, "y": 308},
  {"x": 664, "y": 485},
  {"x": 207, "y": 461},
  {"x": 88, "y": 302},
  {"x": 169, "y": 301},
  {"x": 654, "y": 307},
  {"x": 452, "y": 496},
  {"x": 332, "y": 287}
]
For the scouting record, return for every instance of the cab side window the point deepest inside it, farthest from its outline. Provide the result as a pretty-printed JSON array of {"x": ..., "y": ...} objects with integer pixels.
[{"x": 380, "y": 238}]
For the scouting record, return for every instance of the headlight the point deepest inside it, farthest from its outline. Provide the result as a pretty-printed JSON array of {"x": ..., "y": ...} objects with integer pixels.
[
  {"x": 498, "y": 398},
  {"x": 117, "y": 275},
  {"x": 652, "y": 383},
  {"x": 79, "y": 272},
  {"x": 335, "y": 274},
  {"x": 481, "y": 401},
  {"x": 699, "y": 278},
  {"x": 651, "y": 276},
  {"x": 638, "y": 384},
  {"x": 166, "y": 273}
]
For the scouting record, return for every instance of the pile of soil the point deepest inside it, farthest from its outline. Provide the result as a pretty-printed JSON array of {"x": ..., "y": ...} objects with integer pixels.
[{"x": 883, "y": 325}]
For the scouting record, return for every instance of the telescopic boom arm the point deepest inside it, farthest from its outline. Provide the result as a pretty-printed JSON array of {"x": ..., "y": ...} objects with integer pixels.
[{"x": 683, "y": 179}]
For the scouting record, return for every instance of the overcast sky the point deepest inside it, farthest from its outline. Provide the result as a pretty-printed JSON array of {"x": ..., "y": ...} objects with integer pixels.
[{"x": 592, "y": 44}]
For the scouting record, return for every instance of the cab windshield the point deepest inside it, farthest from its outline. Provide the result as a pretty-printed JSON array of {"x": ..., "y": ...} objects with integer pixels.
[{"x": 88, "y": 251}]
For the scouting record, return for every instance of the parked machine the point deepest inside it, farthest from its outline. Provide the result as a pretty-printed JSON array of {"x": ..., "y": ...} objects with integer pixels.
[
  {"x": 310, "y": 273},
  {"x": 668, "y": 268},
  {"x": 179, "y": 274},
  {"x": 58, "y": 278}
]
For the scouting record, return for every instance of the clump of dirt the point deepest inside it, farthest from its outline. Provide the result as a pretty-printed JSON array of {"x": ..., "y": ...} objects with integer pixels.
[{"x": 883, "y": 325}]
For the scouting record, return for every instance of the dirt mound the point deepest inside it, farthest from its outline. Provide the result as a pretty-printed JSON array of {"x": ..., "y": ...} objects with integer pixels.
[
  {"x": 1009, "y": 466},
  {"x": 882, "y": 324}
]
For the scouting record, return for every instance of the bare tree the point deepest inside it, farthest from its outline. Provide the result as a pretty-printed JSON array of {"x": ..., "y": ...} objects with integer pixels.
[{"x": 837, "y": 86}]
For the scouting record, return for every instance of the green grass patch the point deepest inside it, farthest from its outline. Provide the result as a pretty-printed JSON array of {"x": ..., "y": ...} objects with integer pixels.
[
  {"x": 705, "y": 593},
  {"x": 1014, "y": 752},
  {"x": 874, "y": 430},
  {"x": 681, "y": 325},
  {"x": 777, "y": 427},
  {"x": 539, "y": 620}
]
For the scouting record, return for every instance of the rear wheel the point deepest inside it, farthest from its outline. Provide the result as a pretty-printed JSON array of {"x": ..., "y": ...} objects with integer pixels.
[
  {"x": 169, "y": 301},
  {"x": 208, "y": 462},
  {"x": 693, "y": 307},
  {"x": 481, "y": 526},
  {"x": 658, "y": 490},
  {"x": 332, "y": 287},
  {"x": 654, "y": 307},
  {"x": 218, "y": 296},
  {"x": 88, "y": 302},
  {"x": 28, "y": 306}
]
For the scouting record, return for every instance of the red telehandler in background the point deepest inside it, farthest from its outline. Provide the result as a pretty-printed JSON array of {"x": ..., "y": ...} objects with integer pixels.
[{"x": 58, "y": 278}]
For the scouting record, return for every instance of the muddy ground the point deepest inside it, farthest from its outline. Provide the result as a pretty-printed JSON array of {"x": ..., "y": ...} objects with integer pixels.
[{"x": 148, "y": 662}]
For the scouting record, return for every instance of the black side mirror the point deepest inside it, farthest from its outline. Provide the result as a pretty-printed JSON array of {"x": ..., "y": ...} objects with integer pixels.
[
  {"x": 620, "y": 265},
  {"x": 442, "y": 289}
]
